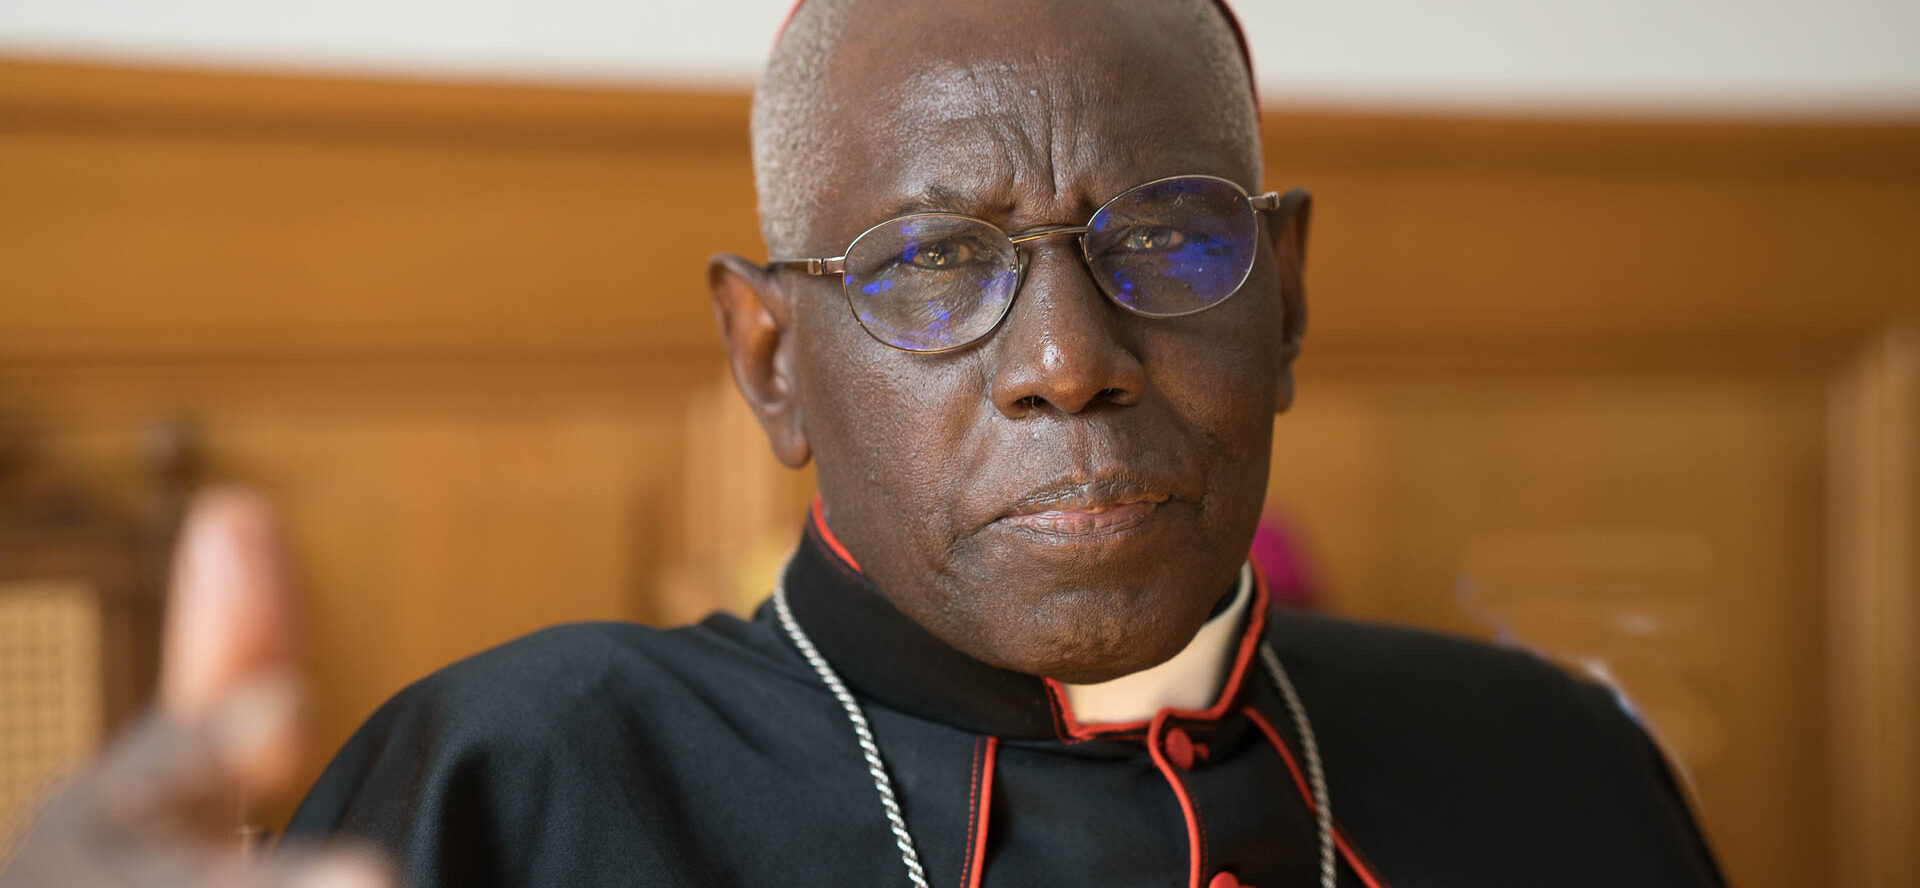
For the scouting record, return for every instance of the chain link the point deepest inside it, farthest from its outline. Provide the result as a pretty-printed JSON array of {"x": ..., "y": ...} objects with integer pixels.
[
  {"x": 1316, "y": 775},
  {"x": 881, "y": 782}
]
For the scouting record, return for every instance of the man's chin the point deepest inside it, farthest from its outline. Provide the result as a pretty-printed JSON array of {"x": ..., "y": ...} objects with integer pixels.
[
  {"x": 1087, "y": 632},
  {"x": 1102, "y": 660}
]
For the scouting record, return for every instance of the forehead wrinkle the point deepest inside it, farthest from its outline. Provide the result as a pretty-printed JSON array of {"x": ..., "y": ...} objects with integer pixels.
[
  {"x": 1020, "y": 110},
  {"x": 1065, "y": 123},
  {"x": 963, "y": 168}
]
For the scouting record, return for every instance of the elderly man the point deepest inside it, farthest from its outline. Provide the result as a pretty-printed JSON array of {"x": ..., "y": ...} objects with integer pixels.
[{"x": 1030, "y": 312}]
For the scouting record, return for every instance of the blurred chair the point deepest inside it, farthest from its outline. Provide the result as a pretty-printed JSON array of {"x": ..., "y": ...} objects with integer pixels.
[{"x": 80, "y": 606}]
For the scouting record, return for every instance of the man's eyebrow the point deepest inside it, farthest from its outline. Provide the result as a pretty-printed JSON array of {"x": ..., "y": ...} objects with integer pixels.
[{"x": 942, "y": 198}]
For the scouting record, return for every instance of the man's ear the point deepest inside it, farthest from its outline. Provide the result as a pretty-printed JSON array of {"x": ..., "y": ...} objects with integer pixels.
[
  {"x": 1289, "y": 233},
  {"x": 755, "y": 322}
]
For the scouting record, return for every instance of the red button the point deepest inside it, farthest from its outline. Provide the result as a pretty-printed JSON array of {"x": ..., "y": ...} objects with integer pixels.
[
  {"x": 1224, "y": 879},
  {"x": 1179, "y": 749}
]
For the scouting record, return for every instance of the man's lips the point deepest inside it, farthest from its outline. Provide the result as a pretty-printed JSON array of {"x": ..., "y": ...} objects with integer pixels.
[
  {"x": 1084, "y": 513},
  {"x": 1086, "y": 522}
]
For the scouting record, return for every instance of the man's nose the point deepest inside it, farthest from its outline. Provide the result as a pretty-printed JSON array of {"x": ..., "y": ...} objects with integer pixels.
[{"x": 1062, "y": 346}]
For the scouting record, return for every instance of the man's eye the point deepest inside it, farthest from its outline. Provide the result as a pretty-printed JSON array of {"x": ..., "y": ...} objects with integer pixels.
[
  {"x": 944, "y": 254},
  {"x": 1150, "y": 238}
]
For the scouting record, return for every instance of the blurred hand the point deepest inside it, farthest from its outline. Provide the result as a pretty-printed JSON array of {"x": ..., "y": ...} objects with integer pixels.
[{"x": 164, "y": 806}]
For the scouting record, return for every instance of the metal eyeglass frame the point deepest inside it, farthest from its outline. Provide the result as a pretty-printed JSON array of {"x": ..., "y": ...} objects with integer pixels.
[{"x": 1259, "y": 204}]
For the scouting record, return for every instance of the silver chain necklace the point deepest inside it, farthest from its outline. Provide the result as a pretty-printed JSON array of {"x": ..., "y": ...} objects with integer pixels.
[{"x": 883, "y": 784}]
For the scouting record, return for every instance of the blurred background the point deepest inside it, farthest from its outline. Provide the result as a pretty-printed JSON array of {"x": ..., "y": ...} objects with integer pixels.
[{"x": 1615, "y": 351}]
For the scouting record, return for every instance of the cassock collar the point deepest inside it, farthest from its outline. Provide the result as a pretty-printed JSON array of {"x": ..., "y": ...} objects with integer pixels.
[{"x": 884, "y": 655}]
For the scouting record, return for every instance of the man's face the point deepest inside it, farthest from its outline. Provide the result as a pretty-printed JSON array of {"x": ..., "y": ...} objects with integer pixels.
[{"x": 1072, "y": 494}]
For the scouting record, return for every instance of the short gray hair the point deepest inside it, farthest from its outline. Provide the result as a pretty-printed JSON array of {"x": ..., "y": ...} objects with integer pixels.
[{"x": 793, "y": 110}]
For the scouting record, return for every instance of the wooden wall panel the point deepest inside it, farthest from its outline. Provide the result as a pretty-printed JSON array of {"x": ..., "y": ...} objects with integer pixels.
[
  {"x": 186, "y": 214},
  {"x": 1874, "y": 609},
  {"x": 1401, "y": 485},
  {"x": 460, "y": 331}
]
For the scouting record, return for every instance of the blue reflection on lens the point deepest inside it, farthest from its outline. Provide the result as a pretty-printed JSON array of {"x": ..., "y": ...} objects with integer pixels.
[
  {"x": 1205, "y": 267},
  {"x": 1198, "y": 264},
  {"x": 939, "y": 323}
]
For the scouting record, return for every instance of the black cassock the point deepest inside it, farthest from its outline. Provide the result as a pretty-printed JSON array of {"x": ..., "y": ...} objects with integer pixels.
[{"x": 712, "y": 755}]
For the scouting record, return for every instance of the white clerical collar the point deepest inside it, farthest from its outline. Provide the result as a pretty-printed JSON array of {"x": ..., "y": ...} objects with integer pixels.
[{"x": 1190, "y": 680}]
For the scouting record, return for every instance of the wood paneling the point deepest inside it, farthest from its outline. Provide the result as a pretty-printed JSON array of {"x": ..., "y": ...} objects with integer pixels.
[
  {"x": 193, "y": 215},
  {"x": 1875, "y": 575},
  {"x": 460, "y": 331},
  {"x": 1404, "y": 485}
]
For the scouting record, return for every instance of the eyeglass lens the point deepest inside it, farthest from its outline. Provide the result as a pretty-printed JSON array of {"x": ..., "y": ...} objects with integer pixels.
[
  {"x": 931, "y": 282},
  {"x": 934, "y": 281}
]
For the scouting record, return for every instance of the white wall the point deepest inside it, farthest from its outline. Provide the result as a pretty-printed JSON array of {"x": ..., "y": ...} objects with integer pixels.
[{"x": 1805, "y": 56}]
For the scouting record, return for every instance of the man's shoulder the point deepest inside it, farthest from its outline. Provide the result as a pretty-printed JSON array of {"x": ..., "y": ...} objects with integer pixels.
[
  {"x": 555, "y": 708},
  {"x": 567, "y": 677},
  {"x": 552, "y": 672},
  {"x": 1412, "y": 722},
  {"x": 1423, "y": 708},
  {"x": 1400, "y": 685},
  {"x": 1368, "y": 651}
]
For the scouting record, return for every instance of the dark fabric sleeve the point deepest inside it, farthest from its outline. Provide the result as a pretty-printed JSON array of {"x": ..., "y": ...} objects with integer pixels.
[
  {"x": 1669, "y": 809},
  {"x": 409, "y": 784},
  {"x": 454, "y": 777}
]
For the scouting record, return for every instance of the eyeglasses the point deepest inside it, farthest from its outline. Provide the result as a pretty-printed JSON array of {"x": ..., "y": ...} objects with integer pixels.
[{"x": 934, "y": 282}]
